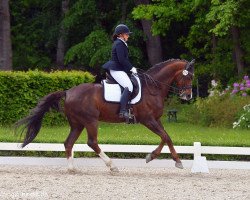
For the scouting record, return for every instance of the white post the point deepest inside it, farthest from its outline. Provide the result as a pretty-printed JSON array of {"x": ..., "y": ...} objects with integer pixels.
[
  {"x": 197, "y": 149},
  {"x": 200, "y": 162}
]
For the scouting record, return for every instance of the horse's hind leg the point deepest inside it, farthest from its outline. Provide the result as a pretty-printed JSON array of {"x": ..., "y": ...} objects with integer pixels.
[
  {"x": 69, "y": 143},
  {"x": 93, "y": 143},
  {"x": 157, "y": 128}
]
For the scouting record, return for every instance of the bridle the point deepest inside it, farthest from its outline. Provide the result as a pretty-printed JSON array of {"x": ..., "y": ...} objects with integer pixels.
[
  {"x": 186, "y": 74},
  {"x": 174, "y": 89}
]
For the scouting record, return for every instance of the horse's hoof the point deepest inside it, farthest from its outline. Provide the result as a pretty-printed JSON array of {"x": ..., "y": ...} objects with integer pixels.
[
  {"x": 148, "y": 158},
  {"x": 179, "y": 165},
  {"x": 114, "y": 169}
]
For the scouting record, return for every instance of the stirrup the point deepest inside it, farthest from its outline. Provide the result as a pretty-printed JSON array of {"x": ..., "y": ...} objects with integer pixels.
[
  {"x": 124, "y": 114},
  {"x": 128, "y": 116}
]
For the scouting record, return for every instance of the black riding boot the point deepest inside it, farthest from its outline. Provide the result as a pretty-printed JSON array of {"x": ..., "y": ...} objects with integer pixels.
[{"x": 123, "y": 103}]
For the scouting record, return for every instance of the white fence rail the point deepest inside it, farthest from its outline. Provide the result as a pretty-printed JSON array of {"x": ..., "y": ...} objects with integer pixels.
[
  {"x": 199, "y": 164},
  {"x": 196, "y": 150}
]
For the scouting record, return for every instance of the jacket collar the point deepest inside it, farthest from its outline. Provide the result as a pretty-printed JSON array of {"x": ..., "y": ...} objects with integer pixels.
[{"x": 123, "y": 41}]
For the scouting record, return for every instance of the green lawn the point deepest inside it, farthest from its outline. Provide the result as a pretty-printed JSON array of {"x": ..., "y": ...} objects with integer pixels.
[{"x": 181, "y": 134}]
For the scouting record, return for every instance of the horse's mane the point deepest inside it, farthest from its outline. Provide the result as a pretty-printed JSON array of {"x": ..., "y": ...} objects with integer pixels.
[{"x": 159, "y": 66}]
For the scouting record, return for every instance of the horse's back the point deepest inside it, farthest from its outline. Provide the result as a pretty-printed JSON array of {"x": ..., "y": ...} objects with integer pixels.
[{"x": 85, "y": 91}]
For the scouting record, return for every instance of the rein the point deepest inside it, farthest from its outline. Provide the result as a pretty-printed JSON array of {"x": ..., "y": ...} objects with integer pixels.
[{"x": 176, "y": 90}]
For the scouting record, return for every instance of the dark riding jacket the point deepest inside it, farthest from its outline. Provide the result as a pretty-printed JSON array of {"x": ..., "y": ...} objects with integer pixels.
[{"x": 119, "y": 58}]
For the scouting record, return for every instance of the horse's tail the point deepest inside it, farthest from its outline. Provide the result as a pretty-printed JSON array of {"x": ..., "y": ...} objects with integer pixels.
[{"x": 32, "y": 123}]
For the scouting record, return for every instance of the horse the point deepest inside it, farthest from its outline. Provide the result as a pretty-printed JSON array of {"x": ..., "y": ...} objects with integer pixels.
[{"x": 84, "y": 106}]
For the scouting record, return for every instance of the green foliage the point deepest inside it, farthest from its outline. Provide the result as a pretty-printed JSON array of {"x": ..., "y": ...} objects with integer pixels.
[
  {"x": 190, "y": 29},
  {"x": 20, "y": 91},
  {"x": 100, "y": 56},
  {"x": 216, "y": 110},
  {"x": 222, "y": 13},
  {"x": 96, "y": 49},
  {"x": 81, "y": 9},
  {"x": 226, "y": 14},
  {"x": 244, "y": 119},
  {"x": 164, "y": 13},
  {"x": 96, "y": 43},
  {"x": 34, "y": 28},
  {"x": 205, "y": 31}
]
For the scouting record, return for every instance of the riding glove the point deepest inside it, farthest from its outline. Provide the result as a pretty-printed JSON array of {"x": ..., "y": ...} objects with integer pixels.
[{"x": 133, "y": 70}]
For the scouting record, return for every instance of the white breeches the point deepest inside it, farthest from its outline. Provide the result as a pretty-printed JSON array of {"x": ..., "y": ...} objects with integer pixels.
[{"x": 122, "y": 78}]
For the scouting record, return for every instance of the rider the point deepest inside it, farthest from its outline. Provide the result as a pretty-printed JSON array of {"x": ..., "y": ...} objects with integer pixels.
[{"x": 119, "y": 66}]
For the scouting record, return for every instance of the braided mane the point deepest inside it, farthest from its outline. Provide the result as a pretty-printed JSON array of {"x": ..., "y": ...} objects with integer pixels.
[{"x": 159, "y": 66}]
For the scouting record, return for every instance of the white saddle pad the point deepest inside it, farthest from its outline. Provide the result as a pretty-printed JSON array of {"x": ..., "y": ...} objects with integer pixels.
[{"x": 112, "y": 92}]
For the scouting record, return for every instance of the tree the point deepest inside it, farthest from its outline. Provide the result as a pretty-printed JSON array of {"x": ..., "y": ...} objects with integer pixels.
[
  {"x": 153, "y": 43},
  {"x": 62, "y": 35},
  {"x": 5, "y": 37},
  {"x": 229, "y": 16},
  {"x": 96, "y": 21},
  {"x": 216, "y": 31},
  {"x": 35, "y": 28},
  {"x": 237, "y": 50}
]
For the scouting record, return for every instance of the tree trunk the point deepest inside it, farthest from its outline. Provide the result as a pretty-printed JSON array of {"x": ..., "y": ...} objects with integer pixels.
[
  {"x": 124, "y": 11},
  {"x": 214, "y": 44},
  {"x": 237, "y": 50},
  {"x": 61, "y": 40},
  {"x": 5, "y": 37},
  {"x": 153, "y": 43}
]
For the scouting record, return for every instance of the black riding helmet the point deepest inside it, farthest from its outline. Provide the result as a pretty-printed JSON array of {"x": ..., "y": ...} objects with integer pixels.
[{"x": 122, "y": 28}]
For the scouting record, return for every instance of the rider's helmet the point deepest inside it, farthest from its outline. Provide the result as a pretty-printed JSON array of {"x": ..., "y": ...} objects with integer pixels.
[{"x": 122, "y": 28}]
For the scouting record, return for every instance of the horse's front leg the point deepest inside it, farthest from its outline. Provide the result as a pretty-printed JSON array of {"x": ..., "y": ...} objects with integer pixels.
[
  {"x": 92, "y": 143},
  {"x": 156, "y": 127}
]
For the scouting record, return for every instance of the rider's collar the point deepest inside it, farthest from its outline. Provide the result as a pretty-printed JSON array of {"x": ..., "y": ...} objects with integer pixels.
[{"x": 123, "y": 41}]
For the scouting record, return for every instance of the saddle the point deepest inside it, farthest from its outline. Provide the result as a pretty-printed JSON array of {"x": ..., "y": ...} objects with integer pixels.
[
  {"x": 111, "y": 80},
  {"x": 113, "y": 91}
]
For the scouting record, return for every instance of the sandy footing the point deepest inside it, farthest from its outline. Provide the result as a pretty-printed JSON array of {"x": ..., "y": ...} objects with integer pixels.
[{"x": 52, "y": 182}]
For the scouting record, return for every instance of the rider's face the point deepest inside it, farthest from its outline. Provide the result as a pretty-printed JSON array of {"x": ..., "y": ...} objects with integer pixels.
[{"x": 125, "y": 36}]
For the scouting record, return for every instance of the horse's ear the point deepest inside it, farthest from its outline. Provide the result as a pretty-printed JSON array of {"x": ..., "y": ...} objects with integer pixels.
[{"x": 190, "y": 64}]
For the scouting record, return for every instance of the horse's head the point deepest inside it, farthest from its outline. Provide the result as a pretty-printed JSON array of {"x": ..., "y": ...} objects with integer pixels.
[
  {"x": 177, "y": 71},
  {"x": 184, "y": 79}
]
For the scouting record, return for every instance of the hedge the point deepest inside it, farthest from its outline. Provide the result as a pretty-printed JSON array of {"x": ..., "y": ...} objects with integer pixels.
[
  {"x": 20, "y": 91},
  {"x": 216, "y": 111}
]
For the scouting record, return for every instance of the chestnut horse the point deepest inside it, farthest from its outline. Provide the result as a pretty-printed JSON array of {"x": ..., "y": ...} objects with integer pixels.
[{"x": 84, "y": 106}]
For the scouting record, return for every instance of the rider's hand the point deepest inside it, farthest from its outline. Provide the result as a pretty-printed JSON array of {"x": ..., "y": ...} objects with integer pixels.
[{"x": 133, "y": 70}]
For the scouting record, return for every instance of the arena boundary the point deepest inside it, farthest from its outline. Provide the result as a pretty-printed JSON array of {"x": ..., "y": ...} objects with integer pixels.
[{"x": 197, "y": 150}]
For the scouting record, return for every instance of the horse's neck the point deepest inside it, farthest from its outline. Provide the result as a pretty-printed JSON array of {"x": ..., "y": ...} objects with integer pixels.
[{"x": 165, "y": 77}]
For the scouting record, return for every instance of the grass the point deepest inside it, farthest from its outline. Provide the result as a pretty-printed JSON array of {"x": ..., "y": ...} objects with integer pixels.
[{"x": 181, "y": 133}]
